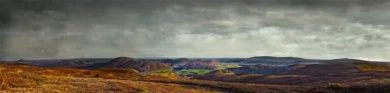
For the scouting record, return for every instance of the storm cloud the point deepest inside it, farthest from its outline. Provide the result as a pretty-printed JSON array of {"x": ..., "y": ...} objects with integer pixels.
[{"x": 42, "y": 29}]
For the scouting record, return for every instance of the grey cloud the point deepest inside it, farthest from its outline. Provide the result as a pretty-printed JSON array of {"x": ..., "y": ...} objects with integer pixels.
[{"x": 35, "y": 29}]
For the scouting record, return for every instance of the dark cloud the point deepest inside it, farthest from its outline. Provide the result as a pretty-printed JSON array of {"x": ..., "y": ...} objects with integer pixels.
[
  {"x": 5, "y": 18},
  {"x": 35, "y": 29}
]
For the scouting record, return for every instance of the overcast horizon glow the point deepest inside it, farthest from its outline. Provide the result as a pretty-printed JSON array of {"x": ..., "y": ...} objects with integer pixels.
[{"x": 323, "y": 29}]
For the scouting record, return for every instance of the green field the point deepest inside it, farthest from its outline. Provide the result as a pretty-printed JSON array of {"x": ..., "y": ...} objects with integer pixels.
[
  {"x": 193, "y": 71},
  {"x": 225, "y": 66}
]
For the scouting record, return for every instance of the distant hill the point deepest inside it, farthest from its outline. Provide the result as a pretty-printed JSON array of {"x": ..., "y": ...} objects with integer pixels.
[
  {"x": 285, "y": 61},
  {"x": 184, "y": 63},
  {"x": 276, "y": 58},
  {"x": 311, "y": 74},
  {"x": 336, "y": 68},
  {"x": 71, "y": 64},
  {"x": 66, "y": 63},
  {"x": 257, "y": 69},
  {"x": 276, "y": 61},
  {"x": 126, "y": 62},
  {"x": 323, "y": 69},
  {"x": 264, "y": 69},
  {"x": 341, "y": 60}
]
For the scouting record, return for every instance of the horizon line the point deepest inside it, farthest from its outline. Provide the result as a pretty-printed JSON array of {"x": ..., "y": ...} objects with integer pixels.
[{"x": 177, "y": 57}]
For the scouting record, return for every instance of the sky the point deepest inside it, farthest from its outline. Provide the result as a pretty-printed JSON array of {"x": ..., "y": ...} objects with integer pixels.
[{"x": 324, "y": 29}]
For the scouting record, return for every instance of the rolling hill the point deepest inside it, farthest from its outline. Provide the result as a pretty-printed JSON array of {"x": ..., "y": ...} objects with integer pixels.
[
  {"x": 126, "y": 62},
  {"x": 352, "y": 73},
  {"x": 184, "y": 63},
  {"x": 124, "y": 74}
]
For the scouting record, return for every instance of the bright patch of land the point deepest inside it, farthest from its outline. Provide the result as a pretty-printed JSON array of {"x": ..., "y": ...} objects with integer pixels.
[{"x": 193, "y": 71}]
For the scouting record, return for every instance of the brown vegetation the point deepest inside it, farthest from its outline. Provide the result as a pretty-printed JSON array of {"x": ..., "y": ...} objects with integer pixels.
[
  {"x": 337, "y": 88},
  {"x": 26, "y": 78},
  {"x": 317, "y": 74},
  {"x": 236, "y": 87},
  {"x": 126, "y": 62}
]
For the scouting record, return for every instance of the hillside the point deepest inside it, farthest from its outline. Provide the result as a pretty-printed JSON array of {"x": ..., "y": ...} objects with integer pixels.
[
  {"x": 184, "y": 63},
  {"x": 323, "y": 69},
  {"x": 121, "y": 76},
  {"x": 27, "y": 78},
  {"x": 271, "y": 60},
  {"x": 258, "y": 69},
  {"x": 354, "y": 73},
  {"x": 220, "y": 73},
  {"x": 70, "y": 64},
  {"x": 126, "y": 62},
  {"x": 336, "y": 68},
  {"x": 66, "y": 63}
]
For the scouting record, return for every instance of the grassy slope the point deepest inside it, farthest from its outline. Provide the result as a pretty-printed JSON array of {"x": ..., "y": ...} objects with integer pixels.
[
  {"x": 24, "y": 78},
  {"x": 82, "y": 85},
  {"x": 237, "y": 87},
  {"x": 205, "y": 71},
  {"x": 164, "y": 73},
  {"x": 193, "y": 71},
  {"x": 225, "y": 66}
]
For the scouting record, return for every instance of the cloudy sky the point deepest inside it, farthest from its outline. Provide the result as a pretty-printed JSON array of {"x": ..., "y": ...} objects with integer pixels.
[{"x": 48, "y": 29}]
